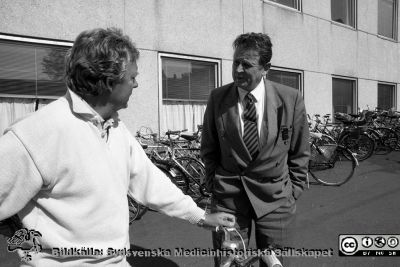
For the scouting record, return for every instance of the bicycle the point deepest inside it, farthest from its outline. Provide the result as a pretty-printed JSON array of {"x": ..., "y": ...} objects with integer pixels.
[
  {"x": 330, "y": 164},
  {"x": 352, "y": 135},
  {"x": 185, "y": 144},
  {"x": 233, "y": 243},
  {"x": 186, "y": 172}
]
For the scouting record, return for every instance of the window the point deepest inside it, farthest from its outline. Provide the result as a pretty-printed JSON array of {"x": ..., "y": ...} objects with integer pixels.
[
  {"x": 285, "y": 77},
  {"x": 185, "y": 79},
  {"x": 344, "y": 98},
  {"x": 186, "y": 83},
  {"x": 386, "y": 96},
  {"x": 387, "y": 18},
  {"x": 31, "y": 76},
  {"x": 344, "y": 11},
  {"x": 290, "y": 3},
  {"x": 31, "y": 70}
]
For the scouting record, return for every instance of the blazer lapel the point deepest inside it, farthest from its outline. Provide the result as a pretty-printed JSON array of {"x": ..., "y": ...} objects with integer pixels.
[
  {"x": 272, "y": 119},
  {"x": 230, "y": 119}
]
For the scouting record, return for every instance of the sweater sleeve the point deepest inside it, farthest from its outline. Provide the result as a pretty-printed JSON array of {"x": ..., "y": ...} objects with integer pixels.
[
  {"x": 152, "y": 188},
  {"x": 20, "y": 179}
]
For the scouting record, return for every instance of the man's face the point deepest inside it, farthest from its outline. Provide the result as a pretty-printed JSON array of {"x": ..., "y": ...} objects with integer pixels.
[
  {"x": 121, "y": 92},
  {"x": 246, "y": 69}
]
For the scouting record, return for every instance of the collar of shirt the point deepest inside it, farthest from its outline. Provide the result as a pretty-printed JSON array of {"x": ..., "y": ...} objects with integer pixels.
[
  {"x": 85, "y": 111},
  {"x": 257, "y": 92}
]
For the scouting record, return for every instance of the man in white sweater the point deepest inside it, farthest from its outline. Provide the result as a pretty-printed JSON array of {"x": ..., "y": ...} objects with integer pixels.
[{"x": 67, "y": 168}]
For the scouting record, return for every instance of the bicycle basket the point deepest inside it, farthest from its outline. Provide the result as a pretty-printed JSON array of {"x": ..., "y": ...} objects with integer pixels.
[{"x": 323, "y": 153}]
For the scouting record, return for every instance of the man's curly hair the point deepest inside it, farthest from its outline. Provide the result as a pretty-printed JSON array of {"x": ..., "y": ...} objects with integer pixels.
[{"x": 98, "y": 55}]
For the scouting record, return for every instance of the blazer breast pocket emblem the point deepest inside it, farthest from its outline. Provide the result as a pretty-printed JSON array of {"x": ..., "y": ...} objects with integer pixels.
[{"x": 285, "y": 134}]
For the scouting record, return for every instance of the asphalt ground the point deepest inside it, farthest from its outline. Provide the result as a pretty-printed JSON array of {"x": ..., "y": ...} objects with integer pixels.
[{"x": 367, "y": 204}]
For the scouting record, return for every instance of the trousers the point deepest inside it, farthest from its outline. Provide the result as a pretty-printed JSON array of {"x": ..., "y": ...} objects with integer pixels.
[{"x": 274, "y": 230}]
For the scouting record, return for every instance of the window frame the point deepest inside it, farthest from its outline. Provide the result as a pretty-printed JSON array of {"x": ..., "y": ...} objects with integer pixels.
[
  {"x": 300, "y": 72},
  {"x": 355, "y": 92},
  {"x": 299, "y": 5},
  {"x": 394, "y": 104},
  {"x": 33, "y": 41},
  {"x": 162, "y": 55},
  {"x": 394, "y": 22},
  {"x": 354, "y": 13}
]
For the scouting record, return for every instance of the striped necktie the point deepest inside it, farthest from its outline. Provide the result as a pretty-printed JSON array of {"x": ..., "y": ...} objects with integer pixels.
[{"x": 250, "y": 133}]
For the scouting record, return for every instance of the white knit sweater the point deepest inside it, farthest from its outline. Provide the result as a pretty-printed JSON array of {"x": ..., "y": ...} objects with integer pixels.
[{"x": 69, "y": 183}]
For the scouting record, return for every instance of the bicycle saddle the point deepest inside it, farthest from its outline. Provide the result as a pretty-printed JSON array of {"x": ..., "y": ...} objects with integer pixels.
[{"x": 189, "y": 137}]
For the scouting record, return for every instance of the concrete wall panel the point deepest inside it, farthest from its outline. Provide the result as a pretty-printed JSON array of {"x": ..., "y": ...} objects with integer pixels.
[
  {"x": 384, "y": 60},
  {"x": 320, "y": 8},
  {"x": 367, "y": 94},
  {"x": 186, "y": 27},
  {"x": 63, "y": 19},
  {"x": 343, "y": 53},
  {"x": 367, "y": 14},
  {"x": 292, "y": 40},
  {"x": 318, "y": 93},
  {"x": 363, "y": 55},
  {"x": 253, "y": 18}
]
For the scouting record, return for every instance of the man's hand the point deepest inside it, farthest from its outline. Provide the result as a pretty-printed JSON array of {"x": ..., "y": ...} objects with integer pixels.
[{"x": 220, "y": 219}]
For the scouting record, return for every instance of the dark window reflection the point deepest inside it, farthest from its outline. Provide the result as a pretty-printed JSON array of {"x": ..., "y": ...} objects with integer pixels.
[
  {"x": 386, "y": 96},
  {"x": 291, "y": 79},
  {"x": 184, "y": 79},
  {"x": 343, "y": 95},
  {"x": 387, "y": 18},
  {"x": 290, "y": 3},
  {"x": 51, "y": 71},
  {"x": 31, "y": 70},
  {"x": 343, "y": 11}
]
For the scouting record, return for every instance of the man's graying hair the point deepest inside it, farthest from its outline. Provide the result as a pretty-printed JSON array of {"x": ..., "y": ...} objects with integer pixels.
[
  {"x": 98, "y": 55},
  {"x": 257, "y": 41}
]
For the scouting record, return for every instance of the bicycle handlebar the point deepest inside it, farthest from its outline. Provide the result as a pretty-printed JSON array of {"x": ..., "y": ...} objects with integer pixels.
[{"x": 268, "y": 256}]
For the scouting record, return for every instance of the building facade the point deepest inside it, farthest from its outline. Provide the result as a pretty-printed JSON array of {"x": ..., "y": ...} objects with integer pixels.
[{"x": 342, "y": 54}]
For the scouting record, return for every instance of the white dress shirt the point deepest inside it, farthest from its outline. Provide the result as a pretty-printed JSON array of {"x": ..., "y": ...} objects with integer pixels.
[{"x": 259, "y": 94}]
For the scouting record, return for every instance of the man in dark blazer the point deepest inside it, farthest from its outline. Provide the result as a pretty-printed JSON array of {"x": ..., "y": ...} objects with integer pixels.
[{"x": 261, "y": 181}]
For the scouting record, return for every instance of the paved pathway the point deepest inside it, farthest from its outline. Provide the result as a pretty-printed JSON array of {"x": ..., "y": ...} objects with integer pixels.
[{"x": 367, "y": 204}]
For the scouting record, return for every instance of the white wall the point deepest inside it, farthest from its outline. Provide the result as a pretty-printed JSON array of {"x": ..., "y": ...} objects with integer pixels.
[
  {"x": 367, "y": 94},
  {"x": 318, "y": 96}
]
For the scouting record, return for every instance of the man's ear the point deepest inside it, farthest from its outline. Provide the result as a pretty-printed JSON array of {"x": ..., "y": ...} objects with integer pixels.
[
  {"x": 267, "y": 66},
  {"x": 109, "y": 84}
]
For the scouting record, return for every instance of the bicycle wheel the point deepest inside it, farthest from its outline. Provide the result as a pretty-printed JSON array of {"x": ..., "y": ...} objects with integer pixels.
[
  {"x": 380, "y": 147},
  {"x": 389, "y": 137},
  {"x": 397, "y": 130},
  {"x": 136, "y": 210},
  {"x": 177, "y": 176},
  {"x": 197, "y": 172},
  {"x": 331, "y": 164},
  {"x": 362, "y": 145}
]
